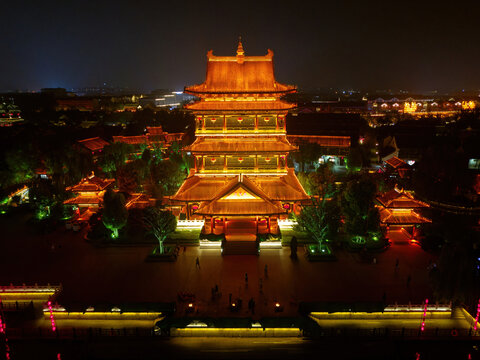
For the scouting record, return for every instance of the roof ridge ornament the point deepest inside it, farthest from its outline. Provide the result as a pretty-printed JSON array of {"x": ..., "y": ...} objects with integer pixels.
[{"x": 240, "y": 51}]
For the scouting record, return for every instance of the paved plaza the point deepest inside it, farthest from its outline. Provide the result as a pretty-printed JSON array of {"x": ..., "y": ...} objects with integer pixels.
[{"x": 91, "y": 275}]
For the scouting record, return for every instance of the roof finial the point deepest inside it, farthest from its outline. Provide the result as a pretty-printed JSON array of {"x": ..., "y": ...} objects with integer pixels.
[{"x": 240, "y": 51}]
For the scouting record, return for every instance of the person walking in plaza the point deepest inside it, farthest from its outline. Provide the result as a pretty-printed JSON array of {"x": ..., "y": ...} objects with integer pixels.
[
  {"x": 197, "y": 263},
  {"x": 246, "y": 279}
]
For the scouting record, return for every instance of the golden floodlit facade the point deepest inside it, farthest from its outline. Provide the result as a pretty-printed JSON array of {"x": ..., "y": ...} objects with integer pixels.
[{"x": 241, "y": 182}]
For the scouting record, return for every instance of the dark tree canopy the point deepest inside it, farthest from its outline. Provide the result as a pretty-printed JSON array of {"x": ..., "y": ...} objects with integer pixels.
[
  {"x": 114, "y": 156},
  {"x": 361, "y": 216}
]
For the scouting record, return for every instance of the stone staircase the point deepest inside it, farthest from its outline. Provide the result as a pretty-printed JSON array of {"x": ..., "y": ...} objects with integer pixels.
[{"x": 238, "y": 247}]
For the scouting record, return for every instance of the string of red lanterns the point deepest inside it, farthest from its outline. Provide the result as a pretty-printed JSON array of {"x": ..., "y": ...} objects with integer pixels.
[
  {"x": 52, "y": 318},
  {"x": 4, "y": 331},
  {"x": 422, "y": 328},
  {"x": 475, "y": 326}
]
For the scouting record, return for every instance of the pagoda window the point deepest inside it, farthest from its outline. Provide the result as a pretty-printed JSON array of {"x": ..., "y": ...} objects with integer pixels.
[
  {"x": 213, "y": 123},
  {"x": 267, "y": 162},
  {"x": 240, "y": 162},
  {"x": 213, "y": 163},
  {"x": 240, "y": 123},
  {"x": 267, "y": 122}
]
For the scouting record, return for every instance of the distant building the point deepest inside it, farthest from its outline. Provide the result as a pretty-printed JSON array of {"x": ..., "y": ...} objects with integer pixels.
[
  {"x": 9, "y": 112},
  {"x": 94, "y": 145},
  {"x": 154, "y": 136},
  {"x": 166, "y": 99},
  {"x": 89, "y": 192},
  {"x": 399, "y": 210},
  {"x": 76, "y": 103}
]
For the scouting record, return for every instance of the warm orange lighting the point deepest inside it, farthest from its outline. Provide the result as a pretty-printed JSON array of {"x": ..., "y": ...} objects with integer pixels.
[
  {"x": 468, "y": 105},
  {"x": 190, "y": 305},
  {"x": 277, "y": 305},
  {"x": 410, "y": 107}
]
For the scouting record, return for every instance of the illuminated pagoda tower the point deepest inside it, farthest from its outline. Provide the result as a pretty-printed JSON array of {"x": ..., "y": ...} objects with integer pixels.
[{"x": 241, "y": 184}]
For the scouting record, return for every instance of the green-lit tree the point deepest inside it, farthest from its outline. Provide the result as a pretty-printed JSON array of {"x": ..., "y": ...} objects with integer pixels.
[
  {"x": 168, "y": 174},
  {"x": 115, "y": 213},
  {"x": 319, "y": 181},
  {"x": 320, "y": 220},
  {"x": 161, "y": 223},
  {"x": 355, "y": 159},
  {"x": 114, "y": 157}
]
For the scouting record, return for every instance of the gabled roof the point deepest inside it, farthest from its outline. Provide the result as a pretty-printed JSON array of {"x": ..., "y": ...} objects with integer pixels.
[
  {"x": 84, "y": 200},
  {"x": 277, "y": 188},
  {"x": 228, "y": 145},
  {"x": 197, "y": 188},
  {"x": 240, "y": 197},
  {"x": 93, "y": 144},
  {"x": 283, "y": 188},
  {"x": 138, "y": 139},
  {"x": 239, "y": 74},
  {"x": 401, "y": 218},
  {"x": 91, "y": 183},
  {"x": 395, "y": 162},
  {"x": 337, "y": 141},
  {"x": 399, "y": 199}
]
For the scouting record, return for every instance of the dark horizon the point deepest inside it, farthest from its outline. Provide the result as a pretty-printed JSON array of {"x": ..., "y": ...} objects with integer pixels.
[{"x": 151, "y": 45}]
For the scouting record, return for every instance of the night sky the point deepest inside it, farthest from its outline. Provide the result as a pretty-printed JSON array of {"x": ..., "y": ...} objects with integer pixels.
[{"x": 420, "y": 45}]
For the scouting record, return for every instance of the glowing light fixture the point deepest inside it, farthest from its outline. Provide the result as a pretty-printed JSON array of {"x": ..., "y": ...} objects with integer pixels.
[
  {"x": 475, "y": 326},
  {"x": 52, "y": 318},
  {"x": 422, "y": 327}
]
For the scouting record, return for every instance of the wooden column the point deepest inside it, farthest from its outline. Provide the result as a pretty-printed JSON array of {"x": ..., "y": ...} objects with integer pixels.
[
  {"x": 256, "y": 123},
  {"x": 224, "y": 123},
  {"x": 225, "y": 163}
]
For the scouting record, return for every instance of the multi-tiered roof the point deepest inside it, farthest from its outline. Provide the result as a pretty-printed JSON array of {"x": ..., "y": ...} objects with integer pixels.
[
  {"x": 245, "y": 83},
  {"x": 241, "y": 140}
]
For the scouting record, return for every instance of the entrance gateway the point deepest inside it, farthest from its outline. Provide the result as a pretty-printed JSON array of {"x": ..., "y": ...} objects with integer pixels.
[{"x": 241, "y": 184}]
